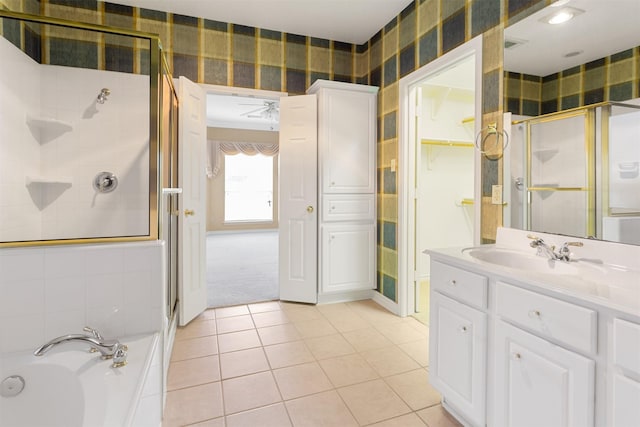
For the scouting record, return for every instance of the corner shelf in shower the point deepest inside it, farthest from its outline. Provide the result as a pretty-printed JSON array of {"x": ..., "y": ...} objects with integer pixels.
[
  {"x": 544, "y": 154},
  {"x": 52, "y": 187},
  {"x": 39, "y": 180},
  {"x": 54, "y": 127}
]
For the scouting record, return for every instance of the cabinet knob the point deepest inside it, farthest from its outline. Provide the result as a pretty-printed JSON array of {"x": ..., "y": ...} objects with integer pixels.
[
  {"x": 309, "y": 208},
  {"x": 535, "y": 314},
  {"x": 452, "y": 282},
  {"x": 517, "y": 356},
  {"x": 463, "y": 329},
  {"x": 188, "y": 212}
]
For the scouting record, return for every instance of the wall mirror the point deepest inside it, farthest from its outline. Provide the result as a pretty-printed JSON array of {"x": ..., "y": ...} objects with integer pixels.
[
  {"x": 572, "y": 90},
  {"x": 76, "y": 126}
]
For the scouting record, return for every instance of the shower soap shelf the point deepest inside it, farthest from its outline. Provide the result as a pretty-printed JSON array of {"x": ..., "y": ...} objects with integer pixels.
[
  {"x": 31, "y": 180},
  {"x": 54, "y": 126}
]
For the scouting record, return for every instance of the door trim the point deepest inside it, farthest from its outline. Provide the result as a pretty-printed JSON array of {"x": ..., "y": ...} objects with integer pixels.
[{"x": 406, "y": 165}]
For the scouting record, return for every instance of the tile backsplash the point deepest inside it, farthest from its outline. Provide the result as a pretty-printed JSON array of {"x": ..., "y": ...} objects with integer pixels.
[{"x": 118, "y": 289}]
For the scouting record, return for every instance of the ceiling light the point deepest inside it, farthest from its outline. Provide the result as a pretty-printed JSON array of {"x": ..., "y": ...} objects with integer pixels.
[{"x": 562, "y": 15}]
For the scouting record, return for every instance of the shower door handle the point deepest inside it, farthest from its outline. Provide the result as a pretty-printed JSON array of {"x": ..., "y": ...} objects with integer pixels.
[{"x": 189, "y": 212}]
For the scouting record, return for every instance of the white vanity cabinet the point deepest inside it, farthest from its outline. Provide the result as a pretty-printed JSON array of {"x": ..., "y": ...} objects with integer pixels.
[
  {"x": 347, "y": 189},
  {"x": 509, "y": 350}
]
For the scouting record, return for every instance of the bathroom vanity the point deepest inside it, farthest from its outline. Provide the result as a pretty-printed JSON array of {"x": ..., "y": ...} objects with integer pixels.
[{"x": 517, "y": 339}]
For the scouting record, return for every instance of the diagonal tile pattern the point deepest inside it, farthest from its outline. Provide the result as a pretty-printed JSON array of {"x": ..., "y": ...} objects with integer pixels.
[{"x": 284, "y": 364}]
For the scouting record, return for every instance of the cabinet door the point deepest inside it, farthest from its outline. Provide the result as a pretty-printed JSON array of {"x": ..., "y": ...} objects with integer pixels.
[
  {"x": 626, "y": 402},
  {"x": 348, "y": 257},
  {"x": 540, "y": 384},
  {"x": 347, "y": 141},
  {"x": 457, "y": 354}
]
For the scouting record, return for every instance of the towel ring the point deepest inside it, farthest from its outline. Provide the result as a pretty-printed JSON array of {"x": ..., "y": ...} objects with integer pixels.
[{"x": 491, "y": 130}]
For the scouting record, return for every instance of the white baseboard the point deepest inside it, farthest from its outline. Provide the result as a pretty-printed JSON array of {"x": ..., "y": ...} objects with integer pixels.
[
  {"x": 349, "y": 296},
  {"x": 169, "y": 338}
]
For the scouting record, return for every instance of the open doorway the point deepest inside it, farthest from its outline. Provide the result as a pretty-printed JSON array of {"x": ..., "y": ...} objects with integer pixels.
[
  {"x": 242, "y": 196},
  {"x": 440, "y": 113}
]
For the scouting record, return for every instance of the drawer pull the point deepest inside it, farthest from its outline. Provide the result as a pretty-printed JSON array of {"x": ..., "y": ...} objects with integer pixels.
[
  {"x": 535, "y": 314},
  {"x": 517, "y": 356},
  {"x": 452, "y": 282}
]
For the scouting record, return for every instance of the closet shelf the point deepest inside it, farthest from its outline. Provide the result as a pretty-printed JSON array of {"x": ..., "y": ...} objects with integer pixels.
[{"x": 446, "y": 143}]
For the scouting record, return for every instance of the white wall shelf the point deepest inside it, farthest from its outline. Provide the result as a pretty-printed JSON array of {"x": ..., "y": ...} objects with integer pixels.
[
  {"x": 39, "y": 180},
  {"x": 53, "y": 128}
]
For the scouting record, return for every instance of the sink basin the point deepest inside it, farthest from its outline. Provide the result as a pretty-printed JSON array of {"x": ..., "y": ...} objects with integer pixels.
[{"x": 522, "y": 261}]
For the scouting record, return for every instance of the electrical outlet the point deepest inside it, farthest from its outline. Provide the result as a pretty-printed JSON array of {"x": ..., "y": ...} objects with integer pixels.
[{"x": 496, "y": 194}]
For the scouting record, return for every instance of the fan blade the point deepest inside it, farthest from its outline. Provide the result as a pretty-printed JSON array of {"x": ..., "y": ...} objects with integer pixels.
[{"x": 252, "y": 111}]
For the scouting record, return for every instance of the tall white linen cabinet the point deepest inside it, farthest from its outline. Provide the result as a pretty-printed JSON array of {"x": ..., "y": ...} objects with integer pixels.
[{"x": 346, "y": 190}]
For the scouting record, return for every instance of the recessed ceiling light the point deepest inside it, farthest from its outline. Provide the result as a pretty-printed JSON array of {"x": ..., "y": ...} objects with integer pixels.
[
  {"x": 559, "y": 3},
  {"x": 562, "y": 15}
]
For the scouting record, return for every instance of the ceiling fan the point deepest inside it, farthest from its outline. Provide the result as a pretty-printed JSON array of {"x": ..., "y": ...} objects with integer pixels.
[{"x": 268, "y": 110}]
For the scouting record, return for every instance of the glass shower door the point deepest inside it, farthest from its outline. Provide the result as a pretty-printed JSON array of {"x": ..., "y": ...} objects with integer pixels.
[{"x": 560, "y": 181}]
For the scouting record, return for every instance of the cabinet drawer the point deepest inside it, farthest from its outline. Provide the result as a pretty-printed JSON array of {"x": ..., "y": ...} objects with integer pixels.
[
  {"x": 549, "y": 317},
  {"x": 626, "y": 345},
  {"x": 460, "y": 284},
  {"x": 348, "y": 207}
]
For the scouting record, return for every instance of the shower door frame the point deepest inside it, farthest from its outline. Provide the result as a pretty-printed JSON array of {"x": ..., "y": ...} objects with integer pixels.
[{"x": 155, "y": 55}]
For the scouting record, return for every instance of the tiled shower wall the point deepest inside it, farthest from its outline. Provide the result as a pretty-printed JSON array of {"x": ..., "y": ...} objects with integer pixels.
[
  {"x": 221, "y": 53},
  {"x": 613, "y": 78}
]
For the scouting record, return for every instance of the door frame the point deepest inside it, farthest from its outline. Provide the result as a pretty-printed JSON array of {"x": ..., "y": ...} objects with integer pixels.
[{"x": 407, "y": 165}]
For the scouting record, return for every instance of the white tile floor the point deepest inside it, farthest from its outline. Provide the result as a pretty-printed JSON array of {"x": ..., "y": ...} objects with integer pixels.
[{"x": 282, "y": 364}]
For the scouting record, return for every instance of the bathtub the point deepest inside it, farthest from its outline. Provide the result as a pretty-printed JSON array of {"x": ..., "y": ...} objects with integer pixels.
[{"x": 69, "y": 386}]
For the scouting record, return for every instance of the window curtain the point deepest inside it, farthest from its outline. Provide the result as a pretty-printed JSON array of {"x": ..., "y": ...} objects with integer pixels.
[{"x": 216, "y": 149}]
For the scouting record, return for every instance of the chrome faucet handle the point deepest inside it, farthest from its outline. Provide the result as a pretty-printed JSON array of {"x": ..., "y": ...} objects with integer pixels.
[
  {"x": 94, "y": 333},
  {"x": 564, "y": 253},
  {"x": 120, "y": 356}
]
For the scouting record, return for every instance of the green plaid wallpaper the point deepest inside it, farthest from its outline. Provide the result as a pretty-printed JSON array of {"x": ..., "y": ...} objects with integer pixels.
[
  {"x": 614, "y": 78},
  {"x": 223, "y": 53}
]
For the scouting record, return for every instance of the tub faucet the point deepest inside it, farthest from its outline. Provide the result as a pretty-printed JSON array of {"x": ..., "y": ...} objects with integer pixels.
[{"x": 109, "y": 349}]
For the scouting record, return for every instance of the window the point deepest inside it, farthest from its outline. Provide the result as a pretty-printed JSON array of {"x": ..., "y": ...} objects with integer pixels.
[{"x": 248, "y": 182}]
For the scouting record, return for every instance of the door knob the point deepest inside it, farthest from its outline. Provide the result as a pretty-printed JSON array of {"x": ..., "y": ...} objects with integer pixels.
[
  {"x": 309, "y": 208},
  {"x": 188, "y": 212}
]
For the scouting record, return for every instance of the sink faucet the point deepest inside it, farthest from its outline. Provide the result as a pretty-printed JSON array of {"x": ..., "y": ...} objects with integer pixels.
[
  {"x": 109, "y": 349},
  {"x": 563, "y": 254}
]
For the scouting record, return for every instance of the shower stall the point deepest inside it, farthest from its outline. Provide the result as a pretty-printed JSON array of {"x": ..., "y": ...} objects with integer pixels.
[
  {"x": 88, "y": 137},
  {"x": 576, "y": 172}
]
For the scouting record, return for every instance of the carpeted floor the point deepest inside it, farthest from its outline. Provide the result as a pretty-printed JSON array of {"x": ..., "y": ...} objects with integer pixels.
[{"x": 242, "y": 267}]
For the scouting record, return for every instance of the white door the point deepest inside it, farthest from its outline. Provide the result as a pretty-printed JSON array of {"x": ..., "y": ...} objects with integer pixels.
[
  {"x": 298, "y": 247},
  {"x": 457, "y": 354},
  {"x": 192, "y": 286},
  {"x": 539, "y": 383}
]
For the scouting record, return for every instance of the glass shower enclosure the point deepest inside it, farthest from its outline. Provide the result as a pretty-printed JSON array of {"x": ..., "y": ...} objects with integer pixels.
[{"x": 577, "y": 173}]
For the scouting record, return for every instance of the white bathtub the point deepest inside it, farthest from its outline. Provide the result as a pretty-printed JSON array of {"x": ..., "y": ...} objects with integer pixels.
[{"x": 69, "y": 386}]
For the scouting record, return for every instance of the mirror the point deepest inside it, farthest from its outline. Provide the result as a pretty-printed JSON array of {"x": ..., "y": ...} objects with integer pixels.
[
  {"x": 75, "y": 129},
  {"x": 572, "y": 165}
]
